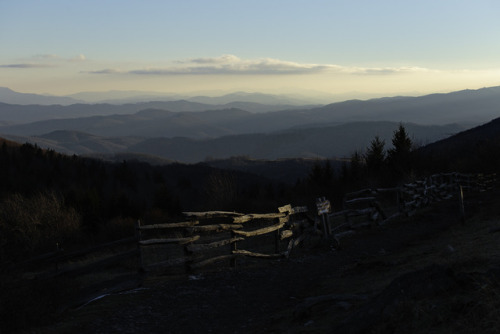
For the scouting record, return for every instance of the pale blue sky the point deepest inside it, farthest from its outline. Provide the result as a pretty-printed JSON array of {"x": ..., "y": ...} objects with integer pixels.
[{"x": 63, "y": 47}]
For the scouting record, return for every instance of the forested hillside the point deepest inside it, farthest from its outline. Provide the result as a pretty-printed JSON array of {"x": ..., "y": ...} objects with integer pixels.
[{"x": 90, "y": 197}]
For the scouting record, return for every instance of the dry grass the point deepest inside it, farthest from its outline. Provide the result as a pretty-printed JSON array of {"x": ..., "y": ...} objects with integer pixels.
[{"x": 31, "y": 225}]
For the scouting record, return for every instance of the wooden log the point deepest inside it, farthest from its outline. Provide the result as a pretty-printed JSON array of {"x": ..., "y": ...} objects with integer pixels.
[
  {"x": 261, "y": 231},
  {"x": 286, "y": 234},
  {"x": 212, "y": 260},
  {"x": 360, "y": 192},
  {"x": 212, "y": 245},
  {"x": 378, "y": 207},
  {"x": 393, "y": 216},
  {"x": 180, "y": 241},
  {"x": 361, "y": 212},
  {"x": 338, "y": 213},
  {"x": 252, "y": 216},
  {"x": 168, "y": 225},
  {"x": 285, "y": 209},
  {"x": 293, "y": 210},
  {"x": 386, "y": 190},
  {"x": 410, "y": 204},
  {"x": 213, "y": 214},
  {"x": 360, "y": 200},
  {"x": 216, "y": 228},
  {"x": 299, "y": 209},
  {"x": 258, "y": 255}
]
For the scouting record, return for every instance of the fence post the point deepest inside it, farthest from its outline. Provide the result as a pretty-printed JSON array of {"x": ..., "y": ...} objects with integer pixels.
[
  {"x": 277, "y": 242},
  {"x": 324, "y": 208},
  {"x": 461, "y": 204},
  {"x": 139, "y": 250},
  {"x": 233, "y": 249}
]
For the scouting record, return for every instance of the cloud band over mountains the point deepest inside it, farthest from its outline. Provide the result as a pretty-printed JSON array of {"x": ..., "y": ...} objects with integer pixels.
[
  {"x": 44, "y": 61},
  {"x": 233, "y": 65},
  {"x": 25, "y": 65}
]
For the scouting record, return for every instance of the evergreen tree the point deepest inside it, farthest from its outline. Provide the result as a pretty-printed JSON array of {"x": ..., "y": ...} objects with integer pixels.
[
  {"x": 399, "y": 156},
  {"x": 356, "y": 170},
  {"x": 375, "y": 155}
]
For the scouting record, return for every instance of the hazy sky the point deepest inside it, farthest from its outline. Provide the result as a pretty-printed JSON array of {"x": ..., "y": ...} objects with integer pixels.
[{"x": 375, "y": 46}]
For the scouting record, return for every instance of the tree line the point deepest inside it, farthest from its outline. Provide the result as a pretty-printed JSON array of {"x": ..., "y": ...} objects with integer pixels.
[{"x": 375, "y": 166}]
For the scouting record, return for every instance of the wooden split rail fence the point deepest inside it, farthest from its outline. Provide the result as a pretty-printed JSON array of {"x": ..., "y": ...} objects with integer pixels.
[
  {"x": 219, "y": 236},
  {"x": 369, "y": 207},
  {"x": 207, "y": 238},
  {"x": 212, "y": 237}
]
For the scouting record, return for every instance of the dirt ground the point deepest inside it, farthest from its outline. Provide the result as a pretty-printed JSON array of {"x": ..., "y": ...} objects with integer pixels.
[{"x": 426, "y": 273}]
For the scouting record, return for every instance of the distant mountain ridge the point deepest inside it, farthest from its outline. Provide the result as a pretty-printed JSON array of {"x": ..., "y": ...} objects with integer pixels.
[
  {"x": 191, "y": 131},
  {"x": 469, "y": 106},
  {"x": 282, "y": 101},
  {"x": 9, "y": 96},
  {"x": 325, "y": 142}
]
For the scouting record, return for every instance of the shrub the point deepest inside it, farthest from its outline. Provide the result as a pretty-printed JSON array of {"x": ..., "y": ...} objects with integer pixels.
[{"x": 34, "y": 224}]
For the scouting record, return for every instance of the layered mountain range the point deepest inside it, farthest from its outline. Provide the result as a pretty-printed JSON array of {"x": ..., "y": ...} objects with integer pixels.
[{"x": 190, "y": 131}]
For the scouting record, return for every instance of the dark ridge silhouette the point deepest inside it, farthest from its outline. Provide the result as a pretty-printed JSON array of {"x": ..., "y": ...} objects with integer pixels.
[{"x": 473, "y": 150}]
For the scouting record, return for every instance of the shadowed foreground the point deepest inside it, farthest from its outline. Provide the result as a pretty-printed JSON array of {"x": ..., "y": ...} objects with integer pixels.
[{"x": 427, "y": 273}]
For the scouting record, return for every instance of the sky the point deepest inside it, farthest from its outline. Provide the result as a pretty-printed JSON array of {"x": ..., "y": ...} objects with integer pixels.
[{"x": 387, "y": 47}]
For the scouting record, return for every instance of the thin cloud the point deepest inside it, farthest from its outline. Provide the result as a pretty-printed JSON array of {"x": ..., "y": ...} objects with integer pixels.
[
  {"x": 230, "y": 64},
  {"x": 211, "y": 60},
  {"x": 54, "y": 58},
  {"x": 233, "y": 65},
  {"x": 43, "y": 61},
  {"x": 105, "y": 71},
  {"x": 46, "y": 56},
  {"x": 25, "y": 65},
  {"x": 390, "y": 70}
]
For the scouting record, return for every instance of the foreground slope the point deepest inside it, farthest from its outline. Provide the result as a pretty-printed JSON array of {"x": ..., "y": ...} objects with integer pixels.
[{"x": 419, "y": 275}]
